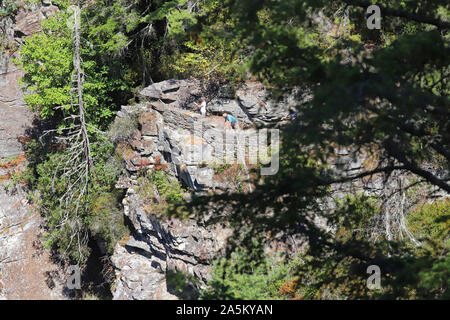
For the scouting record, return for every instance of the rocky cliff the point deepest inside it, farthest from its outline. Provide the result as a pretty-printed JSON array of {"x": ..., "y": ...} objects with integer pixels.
[
  {"x": 158, "y": 246},
  {"x": 172, "y": 136},
  {"x": 14, "y": 115},
  {"x": 26, "y": 270}
]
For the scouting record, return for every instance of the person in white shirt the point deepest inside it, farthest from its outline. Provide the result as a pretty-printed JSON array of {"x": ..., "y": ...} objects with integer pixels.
[{"x": 202, "y": 106}]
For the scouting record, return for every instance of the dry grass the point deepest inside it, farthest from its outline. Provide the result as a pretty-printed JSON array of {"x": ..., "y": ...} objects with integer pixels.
[
  {"x": 124, "y": 240},
  {"x": 153, "y": 203},
  {"x": 124, "y": 151},
  {"x": 4, "y": 178},
  {"x": 13, "y": 162},
  {"x": 236, "y": 175}
]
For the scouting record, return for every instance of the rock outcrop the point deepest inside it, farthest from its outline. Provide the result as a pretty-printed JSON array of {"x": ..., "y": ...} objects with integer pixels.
[
  {"x": 186, "y": 144},
  {"x": 14, "y": 115},
  {"x": 160, "y": 246},
  {"x": 250, "y": 104},
  {"x": 191, "y": 146},
  {"x": 172, "y": 137},
  {"x": 26, "y": 270}
]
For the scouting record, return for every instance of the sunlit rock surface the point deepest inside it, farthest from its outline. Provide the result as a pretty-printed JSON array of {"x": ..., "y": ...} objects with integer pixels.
[{"x": 26, "y": 270}]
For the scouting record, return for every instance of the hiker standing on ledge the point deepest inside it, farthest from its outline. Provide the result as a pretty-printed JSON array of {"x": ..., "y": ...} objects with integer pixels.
[{"x": 202, "y": 106}]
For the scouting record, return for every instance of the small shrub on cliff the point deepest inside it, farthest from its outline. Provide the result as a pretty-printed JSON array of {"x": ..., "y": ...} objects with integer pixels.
[
  {"x": 159, "y": 191},
  {"x": 242, "y": 277},
  {"x": 124, "y": 151},
  {"x": 123, "y": 128},
  {"x": 169, "y": 188},
  {"x": 8, "y": 7},
  {"x": 106, "y": 219}
]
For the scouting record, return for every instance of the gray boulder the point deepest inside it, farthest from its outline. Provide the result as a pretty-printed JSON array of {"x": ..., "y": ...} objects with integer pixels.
[{"x": 158, "y": 246}]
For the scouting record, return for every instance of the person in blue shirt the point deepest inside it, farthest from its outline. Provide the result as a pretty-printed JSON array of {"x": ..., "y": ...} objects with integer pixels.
[
  {"x": 230, "y": 121},
  {"x": 292, "y": 114}
]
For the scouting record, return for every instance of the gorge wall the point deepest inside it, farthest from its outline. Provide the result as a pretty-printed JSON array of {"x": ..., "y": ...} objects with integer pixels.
[
  {"x": 169, "y": 133},
  {"x": 26, "y": 270},
  {"x": 169, "y": 136},
  {"x": 163, "y": 132}
]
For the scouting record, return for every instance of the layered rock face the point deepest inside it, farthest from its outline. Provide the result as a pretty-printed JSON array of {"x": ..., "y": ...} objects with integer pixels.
[
  {"x": 174, "y": 137},
  {"x": 251, "y": 103},
  {"x": 26, "y": 270},
  {"x": 191, "y": 146},
  {"x": 158, "y": 246},
  {"x": 15, "y": 117}
]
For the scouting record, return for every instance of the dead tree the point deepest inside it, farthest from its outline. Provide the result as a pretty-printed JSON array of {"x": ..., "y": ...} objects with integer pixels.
[{"x": 76, "y": 161}]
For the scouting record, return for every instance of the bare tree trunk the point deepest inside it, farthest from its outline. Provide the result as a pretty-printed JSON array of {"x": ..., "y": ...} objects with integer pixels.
[
  {"x": 79, "y": 77},
  {"x": 76, "y": 161}
]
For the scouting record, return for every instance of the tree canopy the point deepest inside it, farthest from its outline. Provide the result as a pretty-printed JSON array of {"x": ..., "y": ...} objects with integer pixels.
[{"x": 380, "y": 95}]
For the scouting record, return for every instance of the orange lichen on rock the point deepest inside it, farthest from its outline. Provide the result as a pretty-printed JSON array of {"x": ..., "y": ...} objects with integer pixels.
[
  {"x": 14, "y": 162},
  {"x": 160, "y": 166}
]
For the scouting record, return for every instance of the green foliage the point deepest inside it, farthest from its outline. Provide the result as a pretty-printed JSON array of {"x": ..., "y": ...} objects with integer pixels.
[
  {"x": 434, "y": 280},
  {"x": 8, "y": 7},
  {"x": 239, "y": 276},
  {"x": 431, "y": 222},
  {"x": 176, "y": 13},
  {"x": 182, "y": 285},
  {"x": 100, "y": 213},
  {"x": 205, "y": 48},
  {"x": 201, "y": 60},
  {"x": 170, "y": 189},
  {"x": 218, "y": 169},
  {"x": 105, "y": 219},
  {"x": 169, "y": 192},
  {"x": 354, "y": 215},
  {"x": 47, "y": 58}
]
